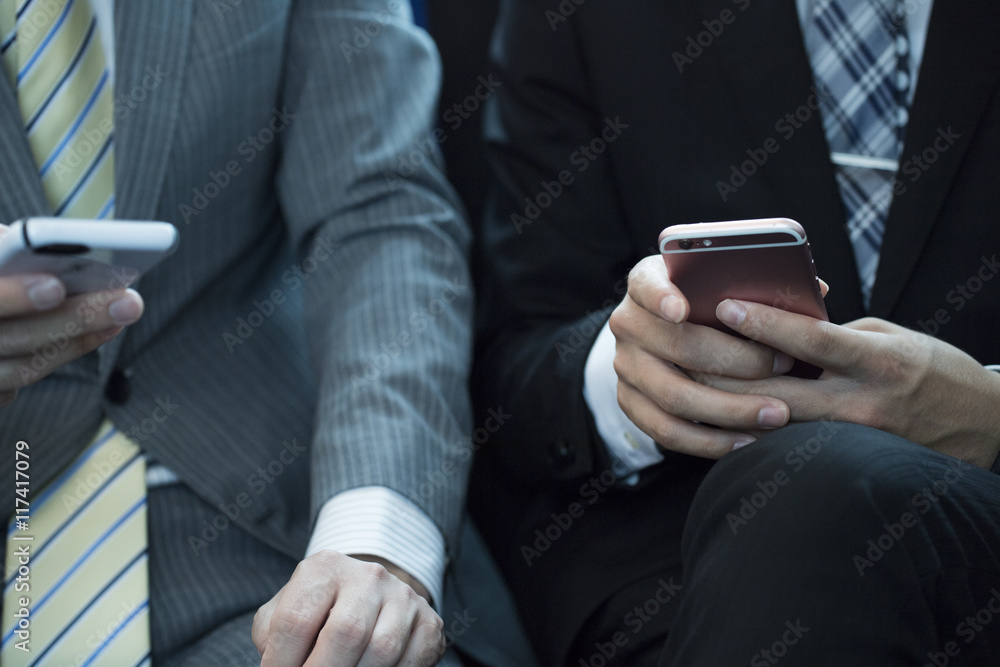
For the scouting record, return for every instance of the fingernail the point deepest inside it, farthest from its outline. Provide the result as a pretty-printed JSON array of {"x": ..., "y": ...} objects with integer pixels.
[
  {"x": 672, "y": 309},
  {"x": 739, "y": 444},
  {"x": 126, "y": 309},
  {"x": 772, "y": 416},
  {"x": 731, "y": 313},
  {"x": 782, "y": 363},
  {"x": 45, "y": 292}
]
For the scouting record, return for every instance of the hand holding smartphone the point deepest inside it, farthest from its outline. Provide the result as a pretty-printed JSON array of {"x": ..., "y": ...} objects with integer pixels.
[
  {"x": 86, "y": 255},
  {"x": 42, "y": 328},
  {"x": 766, "y": 261}
]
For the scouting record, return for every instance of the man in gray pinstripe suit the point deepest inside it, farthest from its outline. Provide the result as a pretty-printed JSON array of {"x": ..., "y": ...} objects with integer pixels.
[{"x": 298, "y": 377}]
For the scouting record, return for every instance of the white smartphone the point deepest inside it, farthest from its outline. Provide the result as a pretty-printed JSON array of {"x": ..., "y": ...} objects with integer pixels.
[{"x": 87, "y": 255}]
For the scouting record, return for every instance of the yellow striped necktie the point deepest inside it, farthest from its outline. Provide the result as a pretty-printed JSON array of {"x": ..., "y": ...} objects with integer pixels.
[
  {"x": 53, "y": 54},
  {"x": 75, "y": 587}
]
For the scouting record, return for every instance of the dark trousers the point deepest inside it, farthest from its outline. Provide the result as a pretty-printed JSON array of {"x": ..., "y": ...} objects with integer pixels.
[
  {"x": 821, "y": 544},
  {"x": 835, "y": 544}
]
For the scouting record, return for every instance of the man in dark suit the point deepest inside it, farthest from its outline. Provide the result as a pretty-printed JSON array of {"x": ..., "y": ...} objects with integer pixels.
[
  {"x": 615, "y": 121},
  {"x": 298, "y": 378}
]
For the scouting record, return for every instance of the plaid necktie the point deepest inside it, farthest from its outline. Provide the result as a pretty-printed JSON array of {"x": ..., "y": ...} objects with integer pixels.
[
  {"x": 860, "y": 57},
  {"x": 52, "y": 51}
]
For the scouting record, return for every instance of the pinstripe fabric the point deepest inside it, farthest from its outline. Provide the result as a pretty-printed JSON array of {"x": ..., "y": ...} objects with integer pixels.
[
  {"x": 8, "y": 35},
  {"x": 317, "y": 265}
]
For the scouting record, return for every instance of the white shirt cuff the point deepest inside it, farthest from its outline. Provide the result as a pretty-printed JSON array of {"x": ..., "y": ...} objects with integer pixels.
[
  {"x": 993, "y": 367},
  {"x": 624, "y": 440},
  {"x": 379, "y": 521}
]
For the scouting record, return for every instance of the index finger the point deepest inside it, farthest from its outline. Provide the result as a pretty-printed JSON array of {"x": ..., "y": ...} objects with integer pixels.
[
  {"x": 650, "y": 287},
  {"x": 298, "y": 614},
  {"x": 817, "y": 342},
  {"x": 30, "y": 293}
]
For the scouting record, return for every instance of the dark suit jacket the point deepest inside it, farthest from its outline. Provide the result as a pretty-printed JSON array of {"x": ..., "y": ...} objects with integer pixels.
[
  {"x": 680, "y": 109},
  {"x": 314, "y": 304},
  {"x": 615, "y": 120}
]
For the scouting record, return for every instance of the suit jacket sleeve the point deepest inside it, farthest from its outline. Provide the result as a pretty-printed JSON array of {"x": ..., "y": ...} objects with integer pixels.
[
  {"x": 554, "y": 254},
  {"x": 388, "y": 300}
]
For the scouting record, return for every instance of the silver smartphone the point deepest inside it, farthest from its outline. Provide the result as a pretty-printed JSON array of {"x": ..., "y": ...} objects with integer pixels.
[{"x": 87, "y": 255}]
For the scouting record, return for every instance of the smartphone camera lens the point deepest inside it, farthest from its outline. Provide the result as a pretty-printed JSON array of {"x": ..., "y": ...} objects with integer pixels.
[{"x": 685, "y": 244}]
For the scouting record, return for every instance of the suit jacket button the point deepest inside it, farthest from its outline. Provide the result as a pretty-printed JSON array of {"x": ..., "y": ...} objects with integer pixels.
[
  {"x": 118, "y": 390},
  {"x": 561, "y": 455}
]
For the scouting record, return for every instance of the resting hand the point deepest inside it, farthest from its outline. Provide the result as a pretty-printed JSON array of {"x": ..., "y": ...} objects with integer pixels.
[
  {"x": 40, "y": 329},
  {"x": 344, "y": 611},
  {"x": 877, "y": 374},
  {"x": 656, "y": 353}
]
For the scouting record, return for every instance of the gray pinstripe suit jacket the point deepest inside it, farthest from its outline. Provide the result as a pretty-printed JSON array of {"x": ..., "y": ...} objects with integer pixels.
[{"x": 312, "y": 301}]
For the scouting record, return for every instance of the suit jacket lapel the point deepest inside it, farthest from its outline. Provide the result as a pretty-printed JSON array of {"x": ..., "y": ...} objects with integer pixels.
[
  {"x": 151, "y": 41},
  {"x": 22, "y": 192},
  {"x": 958, "y": 77},
  {"x": 763, "y": 53}
]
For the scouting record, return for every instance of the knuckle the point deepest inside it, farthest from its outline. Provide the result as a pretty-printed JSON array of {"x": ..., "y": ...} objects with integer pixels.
[
  {"x": 620, "y": 320},
  {"x": 386, "y": 647},
  {"x": 22, "y": 375},
  {"x": 621, "y": 363},
  {"x": 672, "y": 396},
  {"x": 664, "y": 432},
  {"x": 435, "y": 622},
  {"x": 819, "y": 340},
  {"x": 376, "y": 572},
  {"x": 291, "y": 623},
  {"x": 326, "y": 559},
  {"x": 348, "y": 630}
]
